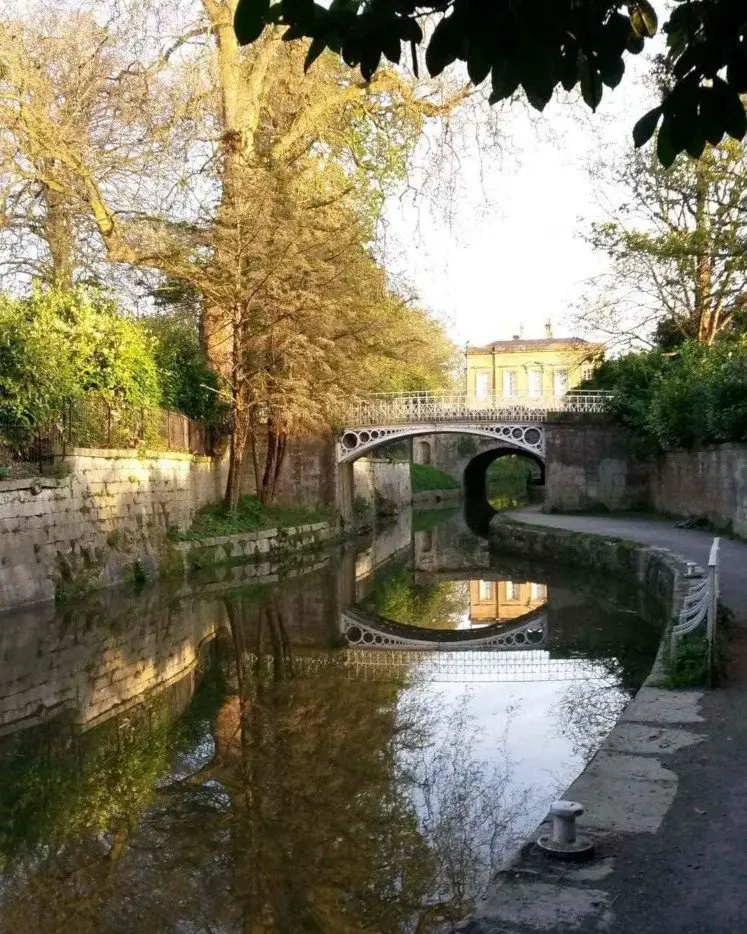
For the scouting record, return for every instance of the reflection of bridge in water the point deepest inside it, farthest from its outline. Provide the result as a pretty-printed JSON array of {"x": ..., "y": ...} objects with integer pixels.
[
  {"x": 367, "y": 630},
  {"x": 414, "y": 666}
]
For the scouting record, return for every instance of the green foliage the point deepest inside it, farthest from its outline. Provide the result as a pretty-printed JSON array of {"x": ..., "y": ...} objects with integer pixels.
[
  {"x": 187, "y": 384},
  {"x": 426, "y": 477},
  {"x": 425, "y": 519},
  {"x": 694, "y": 397},
  {"x": 251, "y": 515},
  {"x": 57, "y": 346},
  {"x": 676, "y": 242},
  {"x": 508, "y": 481},
  {"x": 361, "y": 506},
  {"x": 689, "y": 666},
  {"x": 429, "y": 605},
  {"x": 580, "y": 44},
  {"x": 55, "y": 789}
]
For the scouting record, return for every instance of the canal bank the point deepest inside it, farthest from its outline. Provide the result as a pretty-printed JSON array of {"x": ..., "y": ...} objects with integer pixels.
[{"x": 664, "y": 795}]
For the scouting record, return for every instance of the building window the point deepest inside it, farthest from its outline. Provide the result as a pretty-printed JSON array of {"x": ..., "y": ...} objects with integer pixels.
[
  {"x": 535, "y": 382},
  {"x": 482, "y": 384},
  {"x": 539, "y": 592},
  {"x": 561, "y": 381},
  {"x": 485, "y": 590},
  {"x": 587, "y": 371},
  {"x": 512, "y": 590},
  {"x": 509, "y": 382}
]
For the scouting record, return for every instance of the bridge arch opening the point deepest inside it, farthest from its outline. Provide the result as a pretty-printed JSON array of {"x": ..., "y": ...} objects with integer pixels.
[
  {"x": 514, "y": 438},
  {"x": 522, "y": 483},
  {"x": 527, "y": 471}
]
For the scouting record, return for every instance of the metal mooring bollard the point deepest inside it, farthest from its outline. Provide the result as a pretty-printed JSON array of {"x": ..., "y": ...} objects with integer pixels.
[{"x": 564, "y": 841}]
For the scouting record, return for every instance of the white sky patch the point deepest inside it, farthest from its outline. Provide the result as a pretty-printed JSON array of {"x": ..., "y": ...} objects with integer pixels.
[{"x": 511, "y": 254}]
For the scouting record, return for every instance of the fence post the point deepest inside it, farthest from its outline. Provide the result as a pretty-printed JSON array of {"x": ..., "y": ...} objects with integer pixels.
[{"x": 713, "y": 592}]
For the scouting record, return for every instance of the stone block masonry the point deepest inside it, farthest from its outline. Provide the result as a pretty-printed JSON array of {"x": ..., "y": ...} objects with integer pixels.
[
  {"x": 711, "y": 483},
  {"x": 246, "y": 546},
  {"x": 591, "y": 466},
  {"x": 89, "y": 528},
  {"x": 382, "y": 479}
]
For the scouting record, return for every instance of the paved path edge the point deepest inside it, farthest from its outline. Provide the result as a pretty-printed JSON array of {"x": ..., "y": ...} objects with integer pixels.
[{"x": 629, "y": 785}]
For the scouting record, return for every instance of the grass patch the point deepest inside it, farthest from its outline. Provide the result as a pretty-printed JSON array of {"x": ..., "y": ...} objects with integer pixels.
[
  {"x": 426, "y": 477},
  {"x": 213, "y": 519}
]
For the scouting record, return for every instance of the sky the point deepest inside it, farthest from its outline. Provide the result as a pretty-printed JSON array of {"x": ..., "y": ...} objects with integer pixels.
[{"x": 511, "y": 257}]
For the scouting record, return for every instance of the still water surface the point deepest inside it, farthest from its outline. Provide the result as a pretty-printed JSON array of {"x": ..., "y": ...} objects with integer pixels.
[{"x": 352, "y": 746}]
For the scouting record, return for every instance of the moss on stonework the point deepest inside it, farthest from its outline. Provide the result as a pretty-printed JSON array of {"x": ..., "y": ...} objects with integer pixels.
[
  {"x": 170, "y": 561},
  {"x": 77, "y": 575}
]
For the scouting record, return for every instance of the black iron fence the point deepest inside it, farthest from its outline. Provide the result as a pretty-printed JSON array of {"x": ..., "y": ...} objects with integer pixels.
[{"x": 94, "y": 423}]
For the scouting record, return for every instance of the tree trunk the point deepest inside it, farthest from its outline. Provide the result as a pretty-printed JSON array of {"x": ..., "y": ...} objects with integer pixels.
[
  {"x": 59, "y": 232},
  {"x": 274, "y": 460},
  {"x": 236, "y": 456},
  {"x": 703, "y": 274}
]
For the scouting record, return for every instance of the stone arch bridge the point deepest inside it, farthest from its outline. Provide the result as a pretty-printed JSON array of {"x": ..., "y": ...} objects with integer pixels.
[{"x": 587, "y": 457}]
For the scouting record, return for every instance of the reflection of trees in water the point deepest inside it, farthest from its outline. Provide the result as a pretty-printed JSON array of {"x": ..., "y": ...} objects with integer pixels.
[
  {"x": 428, "y": 604},
  {"x": 470, "y": 810},
  {"x": 70, "y": 806},
  {"x": 327, "y": 805},
  {"x": 587, "y": 711}
]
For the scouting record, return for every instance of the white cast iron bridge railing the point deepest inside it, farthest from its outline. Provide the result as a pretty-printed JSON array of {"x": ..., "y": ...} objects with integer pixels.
[
  {"x": 372, "y": 632},
  {"x": 402, "y": 408},
  {"x": 462, "y": 667},
  {"x": 700, "y": 606}
]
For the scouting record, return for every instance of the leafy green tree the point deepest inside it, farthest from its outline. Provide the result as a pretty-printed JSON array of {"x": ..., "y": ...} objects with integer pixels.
[
  {"x": 693, "y": 397},
  {"x": 187, "y": 383},
  {"x": 541, "y": 46},
  {"x": 676, "y": 241},
  {"x": 60, "y": 345},
  {"x": 273, "y": 234}
]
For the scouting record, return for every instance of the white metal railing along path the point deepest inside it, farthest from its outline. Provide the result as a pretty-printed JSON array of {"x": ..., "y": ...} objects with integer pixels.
[
  {"x": 394, "y": 408},
  {"x": 700, "y": 605}
]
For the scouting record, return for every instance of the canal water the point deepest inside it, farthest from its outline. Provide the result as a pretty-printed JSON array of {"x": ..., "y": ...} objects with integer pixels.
[{"x": 352, "y": 743}]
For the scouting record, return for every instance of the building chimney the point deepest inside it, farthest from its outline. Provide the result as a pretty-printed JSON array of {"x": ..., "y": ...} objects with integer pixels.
[{"x": 548, "y": 328}]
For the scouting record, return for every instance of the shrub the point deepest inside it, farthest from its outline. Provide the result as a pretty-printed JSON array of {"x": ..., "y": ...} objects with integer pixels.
[
  {"x": 693, "y": 397},
  {"x": 187, "y": 384},
  {"x": 57, "y": 346}
]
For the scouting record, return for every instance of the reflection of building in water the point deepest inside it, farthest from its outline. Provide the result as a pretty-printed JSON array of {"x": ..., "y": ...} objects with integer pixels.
[{"x": 493, "y": 601}]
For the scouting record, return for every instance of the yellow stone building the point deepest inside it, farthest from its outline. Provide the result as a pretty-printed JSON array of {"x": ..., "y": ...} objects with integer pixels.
[
  {"x": 503, "y": 601},
  {"x": 519, "y": 367}
]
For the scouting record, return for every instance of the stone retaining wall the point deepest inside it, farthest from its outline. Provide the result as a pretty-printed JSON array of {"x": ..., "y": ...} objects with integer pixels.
[
  {"x": 711, "y": 483},
  {"x": 382, "y": 480},
  {"x": 89, "y": 528},
  {"x": 656, "y": 569},
  {"x": 592, "y": 465},
  {"x": 245, "y": 546}
]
